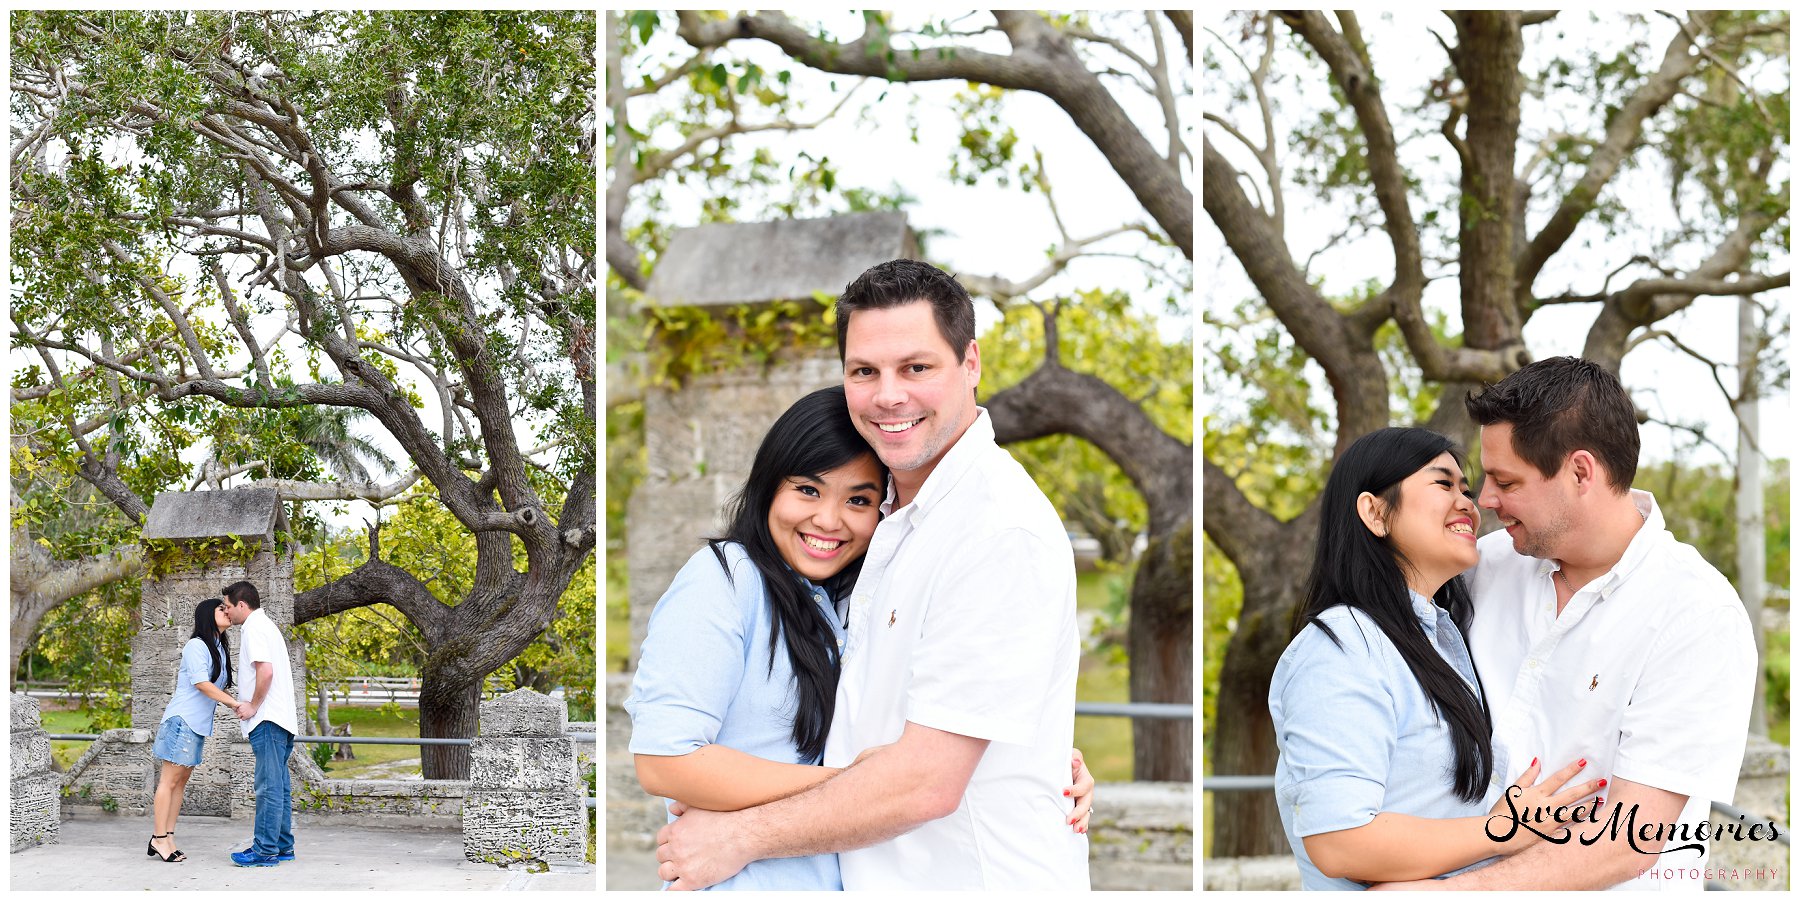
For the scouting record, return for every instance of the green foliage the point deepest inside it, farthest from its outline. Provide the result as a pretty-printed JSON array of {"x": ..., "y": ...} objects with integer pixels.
[
  {"x": 423, "y": 538},
  {"x": 86, "y": 642},
  {"x": 1099, "y": 333},
  {"x": 165, "y": 555},
  {"x": 321, "y": 754},
  {"x": 688, "y": 340}
]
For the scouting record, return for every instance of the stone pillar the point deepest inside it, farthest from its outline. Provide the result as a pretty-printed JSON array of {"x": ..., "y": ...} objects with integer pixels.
[
  {"x": 223, "y": 783},
  {"x": 632, "y": 816},
  {"x": 526, "y": 800},
  {"x": 1141, "y": 837},
  {"x": 701, "y": 438},
  {"x": 1743, "y": 865},
  {"x": 35, "y": 811}
]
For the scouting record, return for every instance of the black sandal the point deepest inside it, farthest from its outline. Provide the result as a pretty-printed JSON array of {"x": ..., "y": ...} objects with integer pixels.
[{"x": 174, "y": 856}]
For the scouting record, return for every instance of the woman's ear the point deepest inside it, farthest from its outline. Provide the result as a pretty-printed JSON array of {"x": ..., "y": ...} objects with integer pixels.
[{"x": 1369, "y": 509}]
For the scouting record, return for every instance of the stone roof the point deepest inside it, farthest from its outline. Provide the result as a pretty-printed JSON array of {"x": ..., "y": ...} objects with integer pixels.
[
  {"x": 789, "y": 259},
  {"x": 248, "y": 512}
]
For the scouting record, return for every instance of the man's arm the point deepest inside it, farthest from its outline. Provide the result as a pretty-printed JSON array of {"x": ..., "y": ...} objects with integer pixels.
[
  {"x": 265, "y": 675},
  {"x": 919, "y": 779},
  {"x": 715, "y": 777},
  {"x": 1577, "y": 866}
]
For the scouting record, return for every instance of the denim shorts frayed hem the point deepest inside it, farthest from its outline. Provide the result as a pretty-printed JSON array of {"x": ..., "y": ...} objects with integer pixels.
[{"x": 178, "y": 744}]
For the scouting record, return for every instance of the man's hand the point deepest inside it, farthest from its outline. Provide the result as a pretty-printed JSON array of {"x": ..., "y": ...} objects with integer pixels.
[
  {"x": 701, "y": 848},
  {"x": 245, "y": 710}
]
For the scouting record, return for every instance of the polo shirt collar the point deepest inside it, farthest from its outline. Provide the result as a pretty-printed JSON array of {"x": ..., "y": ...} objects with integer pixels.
[
  {"x": 951, "y": 467},
  {"x": 1649, "y": 538}
]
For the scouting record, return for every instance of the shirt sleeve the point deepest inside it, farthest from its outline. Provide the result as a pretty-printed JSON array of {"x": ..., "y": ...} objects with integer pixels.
[
  {"x": 264, "y": 645},
  {"x": 1337, "y": 728},
  {"x": 1683, "y": 730},
  {"x": 985, "y": 662},
  {"x": 196, "y": 663},
  {"x": 693, "y": 658}
]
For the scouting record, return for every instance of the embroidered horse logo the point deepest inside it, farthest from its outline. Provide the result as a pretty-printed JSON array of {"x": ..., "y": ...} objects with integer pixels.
[{"x": 1594, "y": 684}]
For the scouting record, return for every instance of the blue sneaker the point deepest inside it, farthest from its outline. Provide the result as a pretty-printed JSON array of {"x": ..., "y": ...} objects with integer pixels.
[
  {"x": 285, "y": 856},
  {"x": 249, "y": 858}
]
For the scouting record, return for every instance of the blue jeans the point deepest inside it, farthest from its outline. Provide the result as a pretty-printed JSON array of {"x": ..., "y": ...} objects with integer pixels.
[{"x": 274, "y": 799}]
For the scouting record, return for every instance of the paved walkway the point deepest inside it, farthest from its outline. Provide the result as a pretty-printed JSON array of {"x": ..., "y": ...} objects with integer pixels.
[{"x": 103, "y": 851}]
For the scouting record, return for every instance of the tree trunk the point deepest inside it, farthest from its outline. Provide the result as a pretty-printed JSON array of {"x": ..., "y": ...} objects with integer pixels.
[
  {"x": 1752, "y": 587},
  {"x": 447, "y": 711},
  {"x": 323, "y": 717},
  {"x": 1161, "y": 646},
  {"x": 1487, "y": 57},
  {"x": 1243, "y": 739}
]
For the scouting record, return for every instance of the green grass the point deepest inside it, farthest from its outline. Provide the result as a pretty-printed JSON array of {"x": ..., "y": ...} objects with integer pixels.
[
  {"x": 1105, "y": 741},
  {"x": 67, "y": 722},
  {"x": 376, "y": 722}
]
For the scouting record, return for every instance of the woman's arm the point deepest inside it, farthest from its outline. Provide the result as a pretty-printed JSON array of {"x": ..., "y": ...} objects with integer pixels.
[
  {"x": 1394, "y": 847},
  {"x": 715, "y": 777},
  {"x": 212, "y": 691}
]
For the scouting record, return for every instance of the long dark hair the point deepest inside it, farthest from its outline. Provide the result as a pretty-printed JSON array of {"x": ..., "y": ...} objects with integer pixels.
[
  {"x": 1352, "y": 567},
  {"x": 208, "y": 631},
  {"x": 813, "y": 437}
]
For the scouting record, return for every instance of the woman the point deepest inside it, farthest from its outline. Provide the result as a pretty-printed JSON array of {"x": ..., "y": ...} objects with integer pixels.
[
  {"x": 1383, "y": 731},
  {"x": 189, "y": 719},
  {"x": 737, "y": 678}
]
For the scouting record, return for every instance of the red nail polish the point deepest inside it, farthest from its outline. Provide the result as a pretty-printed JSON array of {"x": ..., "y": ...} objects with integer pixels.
[
  {"x": 1603, "y": 783},
  {"x": 1065, "y": 793},
  {"x": 1534, "y": 761},
  {"x": 1584, "y": 761}
]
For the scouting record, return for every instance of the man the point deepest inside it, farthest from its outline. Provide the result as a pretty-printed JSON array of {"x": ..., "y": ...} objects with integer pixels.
[
  {"x": 1600, "y": 637},
  {"x": 962, "y": 650},
  {"x": 267, "y": 716}
]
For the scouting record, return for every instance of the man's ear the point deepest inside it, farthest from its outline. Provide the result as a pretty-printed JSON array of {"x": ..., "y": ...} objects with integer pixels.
[
  {"x": 1585, "y": 469},
  {"x": 972, "y": 363},
  {"x": 1371, "y": 511}
]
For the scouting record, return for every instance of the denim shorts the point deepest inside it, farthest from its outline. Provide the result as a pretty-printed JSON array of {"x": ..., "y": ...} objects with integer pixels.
[{"x": 178, "y": 744}]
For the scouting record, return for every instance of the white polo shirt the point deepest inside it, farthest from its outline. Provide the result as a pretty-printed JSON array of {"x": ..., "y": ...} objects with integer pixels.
[
  {"x": 964, "y": 620},
  {"x": 1648, "y": 674},
  {"x": 261, "y": 640}
]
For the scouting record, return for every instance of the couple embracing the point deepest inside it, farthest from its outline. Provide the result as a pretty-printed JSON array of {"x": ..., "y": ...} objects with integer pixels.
[
  {"x": 1549, "y": 707},
  {"x": 265, "y": 710},
  {"x": 869, "y": 680}
]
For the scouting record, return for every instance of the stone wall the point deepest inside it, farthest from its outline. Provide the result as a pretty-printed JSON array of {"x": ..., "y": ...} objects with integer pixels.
[
  {"x": 526, "y": 800},
  {"x": 115, "y": 774},
  {"x": 33, "y": 806},
  {"x": 383, "y": 800},
  {"x": 701, "y": 439}
]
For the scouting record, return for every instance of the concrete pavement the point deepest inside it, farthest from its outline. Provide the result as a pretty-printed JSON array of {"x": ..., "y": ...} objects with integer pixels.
[{"x": 105, "y": 852}]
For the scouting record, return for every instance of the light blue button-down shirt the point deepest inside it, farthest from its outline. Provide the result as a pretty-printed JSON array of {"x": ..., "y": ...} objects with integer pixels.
[
  {"x": 1358, "y": 735},
  {"x": 188, "y": 703},
  {"x": 703, "y": 678}
]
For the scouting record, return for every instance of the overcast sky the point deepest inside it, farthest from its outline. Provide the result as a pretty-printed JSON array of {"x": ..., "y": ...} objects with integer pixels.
[
  {"x": 1666, "y": 382},
  {"x": 989, "y": 229}
]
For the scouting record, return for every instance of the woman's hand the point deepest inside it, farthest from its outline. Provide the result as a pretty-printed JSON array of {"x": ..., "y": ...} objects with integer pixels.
[
  {"x": 1539, "y": 800},
  {"x": 1082, "y": 791}
]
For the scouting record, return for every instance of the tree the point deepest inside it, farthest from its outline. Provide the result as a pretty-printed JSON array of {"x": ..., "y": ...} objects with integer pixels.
[
  {"x": 222, "y": 218},
  {"x": 1054, "y": 56},
  {"x": 1702, "y": 109}
]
